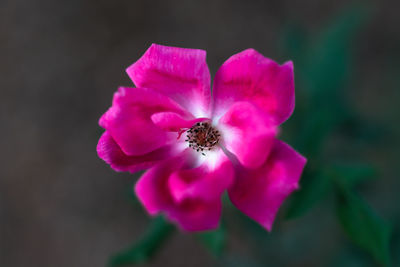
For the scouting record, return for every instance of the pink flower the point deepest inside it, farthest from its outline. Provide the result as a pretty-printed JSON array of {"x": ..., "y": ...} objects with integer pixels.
[{"x": 197, "y": 144}]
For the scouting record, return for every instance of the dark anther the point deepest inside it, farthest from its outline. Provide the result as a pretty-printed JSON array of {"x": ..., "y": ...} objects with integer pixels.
[{"x": 202, "y": 136}]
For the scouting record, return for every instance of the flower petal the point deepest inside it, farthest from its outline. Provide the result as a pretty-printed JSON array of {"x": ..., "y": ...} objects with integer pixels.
[
  {"x": 180, "y": 73},
  {"x": 129, "y": 122},
  {"x": 259, "y": 193},
  {"x": 196, "y": 215},
  {"x": 206, "y": 182},
  {"x": 249, "y": 76},
  {"x": 247, "y": 133},
  {"x": 193, "y": 213},
  {"x": 110, "y": 152},
  {"x": 173, "y": 122},
  {"x": 152, "y": 188}
]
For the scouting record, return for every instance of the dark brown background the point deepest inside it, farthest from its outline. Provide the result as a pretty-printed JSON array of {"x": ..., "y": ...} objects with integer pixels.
[{"x": 61, "y": 61}]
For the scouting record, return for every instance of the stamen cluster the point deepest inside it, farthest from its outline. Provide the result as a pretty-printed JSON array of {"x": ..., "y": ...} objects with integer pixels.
[{"x": 202, "y": 137}]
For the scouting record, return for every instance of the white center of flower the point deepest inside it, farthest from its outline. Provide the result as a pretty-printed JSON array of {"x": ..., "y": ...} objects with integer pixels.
[{"x": 202, "y": 137}]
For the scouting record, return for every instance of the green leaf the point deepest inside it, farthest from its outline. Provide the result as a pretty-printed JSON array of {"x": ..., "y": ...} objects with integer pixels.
[
  {"x": 293, "y": 42},
  {"x": 214, "y": 240},
  {"x": 313, "y": 187},
  {"x": 142, "y": 251},
  {"x": 323, "y": 68},
  {"x": 363, "y": 226},
  {"x": 350, "y": 175},
  {"x": 330, "y": 57},
  {"x": 325, "y": 74},
  {"x": 314, "y": 131}
]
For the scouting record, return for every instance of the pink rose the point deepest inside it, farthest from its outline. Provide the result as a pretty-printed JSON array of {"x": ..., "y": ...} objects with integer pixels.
[{"x": 196, "y": 143}]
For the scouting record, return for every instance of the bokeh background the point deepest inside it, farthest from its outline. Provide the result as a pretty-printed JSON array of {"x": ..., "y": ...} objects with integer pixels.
[{"x": 61, "y": 61}]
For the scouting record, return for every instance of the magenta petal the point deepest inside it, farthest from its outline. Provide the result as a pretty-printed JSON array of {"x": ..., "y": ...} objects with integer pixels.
[
  {"x": 192, "y": 213},
  {"x": 248, "y": 133},
  {"x": 249, "y": 76},
  {"x": 180, "y": 73},
  {"x": 206, "y": 182},
  {"x": 259, "y": 193},
  {"x": 110, "y": 152},
  {"x": 129, "y": 122},
  {"x": 152, "y": 189},
  {"x": 173, "y": 122},
  {"x": 196, "y": 215}
]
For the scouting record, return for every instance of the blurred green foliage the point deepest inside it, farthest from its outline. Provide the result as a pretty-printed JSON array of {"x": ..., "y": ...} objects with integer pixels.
[
  {"x": 324, "y": 67},
  {"x": 363, "y": 226},
  {"x": 144, "y": 249},
  {"x": 214, "y": 240}
]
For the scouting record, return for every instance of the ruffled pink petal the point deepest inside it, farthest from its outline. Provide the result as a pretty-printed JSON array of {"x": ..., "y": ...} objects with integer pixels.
[
  {"x": 196, "y": 215},
  {"x": 111, "y": 153},
  {"x": 173, "y": 122},
  {"x": 194, "y": 212},
  {"x": 180, "y": 73},
  {"x": 249, "y": 76},
  {"x": 129, "y": 122},
  {"x": 206, "y": 182},
  {"x": 152, "y": 188},
  {"x": 248, "y": 133},
  {"x": 259, "y": 193}
]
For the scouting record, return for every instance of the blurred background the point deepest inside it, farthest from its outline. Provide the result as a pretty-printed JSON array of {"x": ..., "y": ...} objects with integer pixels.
[{"x": 61, "y": 61}]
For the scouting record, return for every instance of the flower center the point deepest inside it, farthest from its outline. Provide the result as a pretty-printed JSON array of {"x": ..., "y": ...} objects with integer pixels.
[{"x": 202, "y": 137}]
